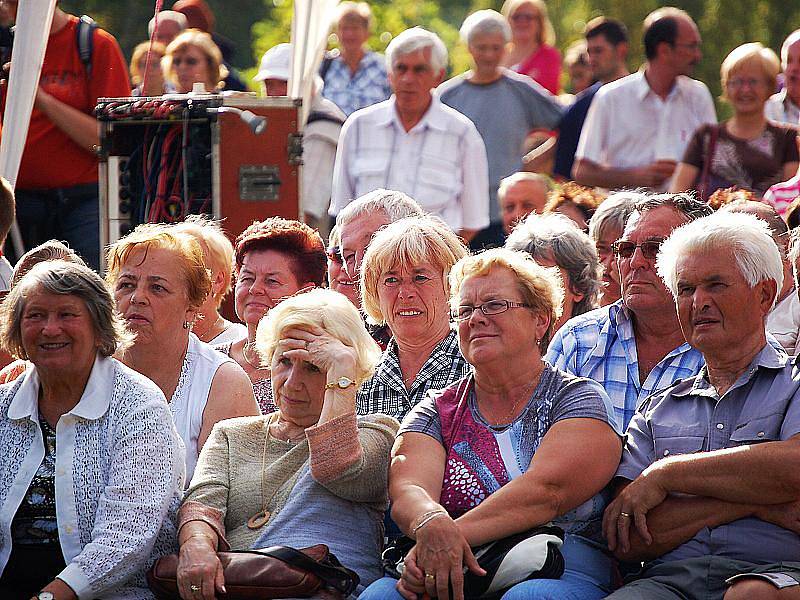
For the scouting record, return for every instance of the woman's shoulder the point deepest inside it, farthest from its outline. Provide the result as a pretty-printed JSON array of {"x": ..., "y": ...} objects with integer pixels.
[{"x": 565, "y": 384}]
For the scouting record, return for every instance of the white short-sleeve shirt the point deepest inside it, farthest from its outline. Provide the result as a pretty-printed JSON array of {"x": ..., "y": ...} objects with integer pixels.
[
  {"x": 441, "y": 162},
  {"x": 629, "y": 125}
]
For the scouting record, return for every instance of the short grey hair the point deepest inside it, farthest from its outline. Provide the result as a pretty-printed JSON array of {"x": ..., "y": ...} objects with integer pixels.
[
  {"x": 683, "y": 202},
  {"x": 64, "y": 279},
  {"x": 556, "y": 237},
  {"x": 613, "y": 213},
  {"x": 49, "y": 250},
  {"x": 396, "y": 206},
  {"x": 778, "y": 228},
  {"x": 415, "y": 39},
  {"x": 167, "y": 15},
  {"x": 742, "y": 236},
  {"x": 484, "y": 22},
  {"x": 789, "y": 41},
  {"x": 519, "y": 176}
]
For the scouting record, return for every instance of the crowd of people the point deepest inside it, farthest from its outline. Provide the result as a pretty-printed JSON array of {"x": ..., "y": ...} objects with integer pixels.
[{"x": 523, "y": 317}]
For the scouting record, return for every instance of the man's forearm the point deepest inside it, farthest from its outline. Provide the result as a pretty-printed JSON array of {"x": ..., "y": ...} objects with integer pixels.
[
  {"x": 676, "y": 521},
  {"x": 760, "y": 474},
  {"x": 591, "y": 174},
  {"x": 81, "y": 128}
]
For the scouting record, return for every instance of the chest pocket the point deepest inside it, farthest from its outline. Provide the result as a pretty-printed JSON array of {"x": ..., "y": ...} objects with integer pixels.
[
  {"x": 369, "y": 172},
  {"x": 755, "y": 431},
  {"x": 439, "y": 181},
  {"x": 672, "y": 441}
]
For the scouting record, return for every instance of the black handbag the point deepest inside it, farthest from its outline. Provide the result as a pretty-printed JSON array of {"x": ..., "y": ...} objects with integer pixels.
[{"x": 533, "y": 554}]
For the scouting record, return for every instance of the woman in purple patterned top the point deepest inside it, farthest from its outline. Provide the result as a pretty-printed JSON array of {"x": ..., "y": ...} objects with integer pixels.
[{"x": 516, "y": 445}]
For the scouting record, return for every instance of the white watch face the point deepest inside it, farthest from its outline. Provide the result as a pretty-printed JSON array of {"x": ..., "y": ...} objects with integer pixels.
[
  {"x": 344, "y": 382},
  {"x": 45, "y": 596}
]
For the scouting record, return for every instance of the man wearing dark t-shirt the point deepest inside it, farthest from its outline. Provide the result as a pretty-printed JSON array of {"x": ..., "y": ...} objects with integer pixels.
[{"x": 607, "y": 46}]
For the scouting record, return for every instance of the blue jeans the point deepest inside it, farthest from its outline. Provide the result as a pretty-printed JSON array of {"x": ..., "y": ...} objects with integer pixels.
[
  {"x": 589, "y": 575},
  {"x": 69, "y": 214}
]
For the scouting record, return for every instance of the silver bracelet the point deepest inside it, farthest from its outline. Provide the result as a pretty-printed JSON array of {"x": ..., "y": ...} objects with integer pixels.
[{"x": 427, "y": 518}]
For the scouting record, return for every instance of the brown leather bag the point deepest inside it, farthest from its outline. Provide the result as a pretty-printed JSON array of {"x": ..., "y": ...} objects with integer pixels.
[{"x": 274, "y": 572}]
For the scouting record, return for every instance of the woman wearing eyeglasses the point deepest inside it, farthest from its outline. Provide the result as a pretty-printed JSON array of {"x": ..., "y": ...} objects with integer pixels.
[
  {"x": 531, "y": 50},
  {"x": 404, "y": 286},
  {"x": 747, "y": 151},
  {"x": 193, "y": 57},
  {"x": 515, "y": 445}
]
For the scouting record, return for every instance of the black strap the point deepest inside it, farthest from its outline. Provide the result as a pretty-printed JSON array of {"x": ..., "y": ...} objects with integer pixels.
[
  {"x": 325, "y": 66},
  {"x": 318, "y": 115},
  {"x": 333, "y": 573},
  {"x": 85, "y": 38}
]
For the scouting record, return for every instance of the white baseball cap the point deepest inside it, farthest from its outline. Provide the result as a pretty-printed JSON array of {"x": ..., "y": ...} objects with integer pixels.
[{"x": 275, "y": 63}]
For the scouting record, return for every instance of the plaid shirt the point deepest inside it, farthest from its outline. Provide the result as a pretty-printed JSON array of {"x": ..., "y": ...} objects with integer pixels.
[
  {"x": 385, "y": 391},
  {"x": 600, "y": 345},
  {"x": 369, "y": 85}
]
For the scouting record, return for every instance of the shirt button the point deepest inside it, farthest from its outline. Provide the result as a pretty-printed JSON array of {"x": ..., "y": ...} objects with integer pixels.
[
  {"x": 720, "y": 426},
  {"x": 60, "y": 472},
  {"x": 68, "y": 529},
  {"x": 666, "y": 452}
]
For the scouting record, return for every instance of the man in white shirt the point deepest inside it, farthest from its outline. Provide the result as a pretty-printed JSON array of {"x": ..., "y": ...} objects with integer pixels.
[
  {"x": 415, "y": 144},
  {"x": 784, "y": 107},
  {"x": 639, "y": 126}
]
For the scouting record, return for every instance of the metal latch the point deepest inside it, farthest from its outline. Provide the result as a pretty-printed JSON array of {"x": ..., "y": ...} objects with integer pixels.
[{"x": 259, "y": 183}]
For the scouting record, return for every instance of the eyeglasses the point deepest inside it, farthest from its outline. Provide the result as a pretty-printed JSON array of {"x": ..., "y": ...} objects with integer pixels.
[
  {"x": 189, "y": 60},
  {"x": 492, "y": 307},
  {"x": 740, "y": 82},
  {"x": 625, "y": 249}
]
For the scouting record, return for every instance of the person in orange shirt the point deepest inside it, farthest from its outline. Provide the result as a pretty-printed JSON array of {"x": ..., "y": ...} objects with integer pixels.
[{"x": 57, "y": 186}]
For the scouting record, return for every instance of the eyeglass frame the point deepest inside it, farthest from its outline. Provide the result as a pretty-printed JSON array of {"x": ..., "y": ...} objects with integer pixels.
[
  {"x": 657, "y": 241},
  {"x": 507, "y": 304}
]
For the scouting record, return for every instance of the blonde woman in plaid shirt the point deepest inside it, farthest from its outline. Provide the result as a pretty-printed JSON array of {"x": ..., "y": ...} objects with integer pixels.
[{"x": 404, "y": 285}]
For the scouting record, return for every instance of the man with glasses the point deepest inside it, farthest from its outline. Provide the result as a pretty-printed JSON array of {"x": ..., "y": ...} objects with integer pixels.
[
  {"x": 634, "y": 346},
  {"x": 639, "y": 126}
]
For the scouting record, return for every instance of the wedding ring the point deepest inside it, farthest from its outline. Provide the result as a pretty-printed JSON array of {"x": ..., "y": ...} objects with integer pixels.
[
  {"x": 430, "y": 576},
  {"x": 624, "y": 515},
  {"x": 195, "y": 588}
]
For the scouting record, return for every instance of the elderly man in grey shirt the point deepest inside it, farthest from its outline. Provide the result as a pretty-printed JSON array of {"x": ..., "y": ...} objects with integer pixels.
[{"x": 709, "y": 475}]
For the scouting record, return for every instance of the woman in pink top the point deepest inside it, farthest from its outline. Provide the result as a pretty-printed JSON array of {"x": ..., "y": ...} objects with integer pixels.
[{"x": 531, "y": 51}]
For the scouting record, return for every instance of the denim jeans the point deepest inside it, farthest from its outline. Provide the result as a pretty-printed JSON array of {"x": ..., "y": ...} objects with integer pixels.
[
  {"x": 589, "y": 575},
  {"x": 68, "y": 214}
]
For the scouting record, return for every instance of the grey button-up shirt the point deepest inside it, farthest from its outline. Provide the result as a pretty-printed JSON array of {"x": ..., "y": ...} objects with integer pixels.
[{"x": 762, "y": 406}]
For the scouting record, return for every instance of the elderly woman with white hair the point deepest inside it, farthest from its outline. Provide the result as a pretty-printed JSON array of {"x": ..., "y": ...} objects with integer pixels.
[
  {"x": 554, "y": 240},
  {"x": 404, "y": 285},
  {"x": 505, "y": 106},
  {"x": 321, "y": 475},
  {"x": 210, "y": 326},
  {"x": 513, "y": 446},
  {"x": 91, "y": 466},
  {"x": 605, "y": 228}
]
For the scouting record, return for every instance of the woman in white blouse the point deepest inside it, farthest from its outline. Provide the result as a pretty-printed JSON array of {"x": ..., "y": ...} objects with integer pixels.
[
  {"x": 91, "y": 467},
  {"x": 159, "y": 282}
]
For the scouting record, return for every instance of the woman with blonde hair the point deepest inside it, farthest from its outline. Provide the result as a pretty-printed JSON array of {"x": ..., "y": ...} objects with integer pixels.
[
  {"x": 531, "y": 50},
  {"x": 159, "y": 282},
  {"x": 513, "y": 446},
  {"x": 193, "y": 57},
  {"x": 315, "y": 472},
  {"x": 150, "y": 73},
  {"x": 404, "y": 285},
  {"x": 747, "y": 151},
  {"x": 211, "y": 327}
]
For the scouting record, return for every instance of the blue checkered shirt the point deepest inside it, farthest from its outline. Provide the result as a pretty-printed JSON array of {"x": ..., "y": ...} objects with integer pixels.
[
  {"x": 385, "y": 391},
  {"x": 600, "y": 345},
  {"x": 369, "y": 85}
]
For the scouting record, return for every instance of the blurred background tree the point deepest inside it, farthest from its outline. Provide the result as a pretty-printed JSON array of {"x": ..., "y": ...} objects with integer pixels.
[{"x": 256, "y": 25}]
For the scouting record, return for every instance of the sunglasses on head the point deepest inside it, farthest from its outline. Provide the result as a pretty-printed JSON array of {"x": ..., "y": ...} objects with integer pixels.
[{"x": 625, "y": 249}]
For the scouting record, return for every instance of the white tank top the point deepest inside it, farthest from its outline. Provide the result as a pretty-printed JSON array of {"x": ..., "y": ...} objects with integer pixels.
[{"x": 191, "y": 395}]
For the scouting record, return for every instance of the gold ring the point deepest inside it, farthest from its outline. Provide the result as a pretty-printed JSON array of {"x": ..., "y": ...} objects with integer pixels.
[
  {"x": 624, "y": 515},
  {"x": 430, "y": 576}
]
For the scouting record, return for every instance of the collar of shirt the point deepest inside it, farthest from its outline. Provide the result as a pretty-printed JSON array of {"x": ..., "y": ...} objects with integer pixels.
[
  {"x": 94, "y": 402},
  {"x": 433, "y": 118},
  {"x": 769, "y": 357},
  {"x": 643, "y": 89}
]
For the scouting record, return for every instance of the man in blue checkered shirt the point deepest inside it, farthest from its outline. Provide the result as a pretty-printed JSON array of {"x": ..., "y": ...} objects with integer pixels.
[{"x": 634, "y": 346}]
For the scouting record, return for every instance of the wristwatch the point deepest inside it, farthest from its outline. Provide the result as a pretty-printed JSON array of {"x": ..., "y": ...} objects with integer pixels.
[
  {"x": 342, "y": 383},
  {"x": 45, "y": 596}
]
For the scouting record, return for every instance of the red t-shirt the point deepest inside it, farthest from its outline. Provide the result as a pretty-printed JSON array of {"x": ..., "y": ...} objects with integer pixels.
[
  {"x": 544, "y": 67},
  {"x": 51, "y": 159}
]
